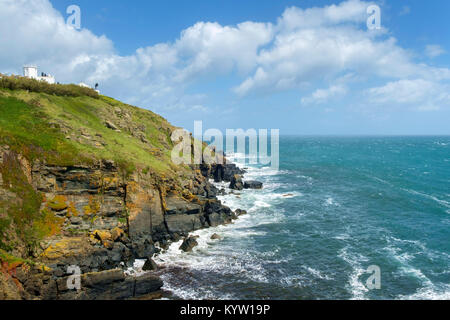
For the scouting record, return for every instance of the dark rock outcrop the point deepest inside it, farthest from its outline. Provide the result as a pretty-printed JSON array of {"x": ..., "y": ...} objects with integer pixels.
[
  {"x": 150, "y": 265},
  {"x": 239, "y": 212},
  {"x": 236, "y": 182},
  {"x": 220, "y": 172},
  {"x": 253, "y": 185},
  {"x": 188, "y": 244}
]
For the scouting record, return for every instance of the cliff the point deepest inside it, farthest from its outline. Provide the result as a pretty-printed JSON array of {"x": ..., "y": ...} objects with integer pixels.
[{"x": 87, "y": 181}]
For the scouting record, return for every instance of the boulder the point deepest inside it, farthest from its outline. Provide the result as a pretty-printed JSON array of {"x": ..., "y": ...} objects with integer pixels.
[
  {"x": 188, "y": 244},
  {"x": 147, "y": 283},
  {"x": 150, "y": 265},
  {"x": 215, "y": 236},
  {"x": 215, "y": 219},
  {"x": 253, "y": 185},
  {"x": 236, "y": 182},
  {"x": 142, "y": 248},
  {"x": 239, "y": 212},
  {"x": 111, "y": 125},
  {"x": 116, "y": 233},
  {"x": 102, "y": 235}
]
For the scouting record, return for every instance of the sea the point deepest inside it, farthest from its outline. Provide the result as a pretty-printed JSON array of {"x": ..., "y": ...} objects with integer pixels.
[{"x": 342, "y": 218}]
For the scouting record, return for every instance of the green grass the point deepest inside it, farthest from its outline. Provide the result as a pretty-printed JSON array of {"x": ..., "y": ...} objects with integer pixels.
[
  {"x": 25, "y": 119},
  {"x": 29, "y": 223},
  {"x": 26, "y": 130}
]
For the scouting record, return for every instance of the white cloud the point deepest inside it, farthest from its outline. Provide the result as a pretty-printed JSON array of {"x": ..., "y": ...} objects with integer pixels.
[
  {"x": 306, "y": 48},
  {"x": 324, "y": 95},
  {"x": 418, "y": 94},
  {"x": 434, "y": 50},
  {"x": 320, "y": 43}
]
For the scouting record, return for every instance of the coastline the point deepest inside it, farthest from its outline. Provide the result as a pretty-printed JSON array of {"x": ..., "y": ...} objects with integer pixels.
[{"x": 172, "y": 260}]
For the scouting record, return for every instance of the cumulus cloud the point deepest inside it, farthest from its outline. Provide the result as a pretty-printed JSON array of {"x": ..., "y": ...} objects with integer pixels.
[
  {"x": 320, "y": 43},
  {"x": 418, "y": 94},
  {"x": 304, "y": 50},
  {"x": 324, "y": 95},
  {"x": 434, "y": 50}
]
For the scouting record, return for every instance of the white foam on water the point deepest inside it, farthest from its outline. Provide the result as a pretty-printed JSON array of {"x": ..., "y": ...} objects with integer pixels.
[
  {"x": 331, "y": 202},
  {"x": 429, "y": 293},
  {"x": 317, "y": 273},
  {"x": 440, "y": 201},
  {"x": 232, "y": 255},
  {"x": 136, "y": 269},
  {"x": 294, "y": 280},
  {"x": 355, "y": 286},
  {"x": 428, "y": 290}
]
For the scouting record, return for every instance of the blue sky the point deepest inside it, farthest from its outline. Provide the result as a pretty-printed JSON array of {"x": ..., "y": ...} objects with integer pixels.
[{"x": 250, "y": 64}]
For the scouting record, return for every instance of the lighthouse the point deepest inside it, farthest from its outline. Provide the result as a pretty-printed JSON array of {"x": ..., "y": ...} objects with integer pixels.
[{"x": 32, "y": 73}]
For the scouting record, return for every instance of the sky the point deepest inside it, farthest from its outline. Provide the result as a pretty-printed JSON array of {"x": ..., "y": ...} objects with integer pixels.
[{"x": 303, "y": 67}]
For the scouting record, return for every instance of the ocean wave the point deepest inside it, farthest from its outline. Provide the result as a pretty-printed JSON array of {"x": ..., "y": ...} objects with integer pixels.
[
  {"x": 316, "y": 273},
  {"x": 440, "y": 201},
  {"x": 429, "y": 293},
  {"x": 331, "y": 202},
  {"x": 355, "y": 286}
]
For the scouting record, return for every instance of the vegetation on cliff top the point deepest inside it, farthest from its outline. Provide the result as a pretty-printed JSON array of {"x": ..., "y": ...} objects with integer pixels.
[
  {"x": 33, "y": 85},
  {"x": 79, "y": 129}
]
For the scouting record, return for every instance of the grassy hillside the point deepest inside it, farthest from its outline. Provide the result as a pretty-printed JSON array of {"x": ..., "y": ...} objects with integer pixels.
[{"x": 66, "y": 130}]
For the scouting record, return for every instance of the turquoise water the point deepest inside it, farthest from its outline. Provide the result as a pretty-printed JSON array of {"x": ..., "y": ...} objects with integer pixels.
[{"x": 336, "y": 206}]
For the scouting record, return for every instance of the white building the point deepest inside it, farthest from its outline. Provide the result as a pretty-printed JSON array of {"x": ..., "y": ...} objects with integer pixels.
[
  {"x": 82, "y": 84},
  {"x": 32, "y": 72}
]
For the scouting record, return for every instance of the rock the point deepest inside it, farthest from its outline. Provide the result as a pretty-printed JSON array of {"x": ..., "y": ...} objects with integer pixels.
[
  {"x": 236, "y": 182},
  {"x": 215, "y": 236},
  {"x": 253, "y": 185},
  {"x": 111, "y": 125},
  {"x": 108, "y": 244},
  {"x": 185, "y": 223},
  {"x": 215, "y": 219},
  {"x": 239, "y": 212},
  {"x": 223, "y": 172},
  {"x": 175, "y": 205},
  {"x": 8, "y": 289},
  {"x": 76, "y": 220},
  {"x": 188, "y": 244},
  {"x": 143, "y": 248},
  {"x": 150, "y": 265},
  {"x": 102, "y": 278},
  {"x": 117, "y": 233},
  {"x": 103, "y": 235},
  {"x": 146, "y": 284}
]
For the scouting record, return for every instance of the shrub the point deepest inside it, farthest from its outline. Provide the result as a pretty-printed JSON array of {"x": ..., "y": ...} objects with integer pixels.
[{"x": 33, "y": 85}]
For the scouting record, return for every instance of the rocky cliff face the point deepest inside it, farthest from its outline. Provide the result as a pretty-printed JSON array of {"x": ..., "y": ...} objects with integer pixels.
[
  {"x": 87, "y": 181},
  {"x": 107, "y": 219}
]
